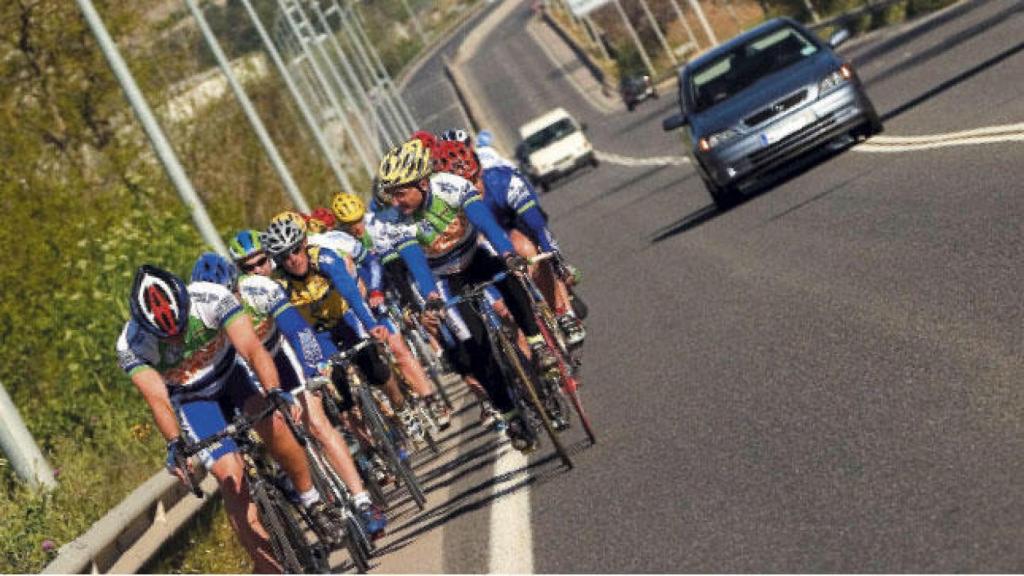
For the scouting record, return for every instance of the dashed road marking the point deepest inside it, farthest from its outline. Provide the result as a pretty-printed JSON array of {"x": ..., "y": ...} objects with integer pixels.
[{"x": 631, "y": 161}]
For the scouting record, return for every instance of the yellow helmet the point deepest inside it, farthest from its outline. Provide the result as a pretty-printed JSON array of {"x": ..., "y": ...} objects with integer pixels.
[
  {"x": 404, "y": 165},
  {"x": 348, "y": 208},
  {"x": 290, "y": 216}
]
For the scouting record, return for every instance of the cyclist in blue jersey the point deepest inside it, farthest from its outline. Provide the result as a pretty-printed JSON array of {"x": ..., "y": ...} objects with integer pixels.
[
  {"x": 180, "y": 349},
  {"x": 444, "y": 214},
  {"x": 515, "y": 206},
  {"x": 296, "y": 351}
]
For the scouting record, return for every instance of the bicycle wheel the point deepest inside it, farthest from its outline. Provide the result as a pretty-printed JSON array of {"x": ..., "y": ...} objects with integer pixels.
[
  {"x": 359, "y": 553},
  {"x": 432, "y": 363},
  {"x": 287, "y": 539},
  {"x": 570, "y": 387},
  {"x": 379, "y": 430},
  {"x": 528, "y": 393},
  {"x": 330, "y": 486}
]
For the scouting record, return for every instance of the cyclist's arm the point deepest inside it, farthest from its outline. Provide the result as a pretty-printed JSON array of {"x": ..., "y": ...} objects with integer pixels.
[
  {"x": 249, "y": 346},
  {"x": 371, "y": 273},
  {"x": 416, "y": 262},
  {"x": 151, "y": 385},
  {"x": 480, "y": 216},
  {"x": 523, "y": 200},
  {"x": 334, "y": 268},
  {"x": 300, "y": 336}
]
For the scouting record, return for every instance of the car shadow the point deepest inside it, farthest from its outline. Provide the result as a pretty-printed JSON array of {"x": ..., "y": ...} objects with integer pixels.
[
  {"x": 955, "y": 80},
  {"x": 793, "y": 170}
]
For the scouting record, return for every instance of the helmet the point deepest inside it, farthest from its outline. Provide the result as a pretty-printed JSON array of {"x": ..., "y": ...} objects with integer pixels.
[
  {"x": 159, "y": 302},
  {"x": 212, "y": 267},
  {"x": 348, "y": 208},
  {"x": 456, "y": 158},
  {"x": 404, "y": 165},
  {"x": 293, "y": 216},
  {"x": 320, "y": 220},
  {"x": 281, "y": 236},
  {"x": 456, "y": 135},
  {"x": 428, "y": 139},
  {"x": 245, "y": 244},
  {"x": 484, "y": 138}
]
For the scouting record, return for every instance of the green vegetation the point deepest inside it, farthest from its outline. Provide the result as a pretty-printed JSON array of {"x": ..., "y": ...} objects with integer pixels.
[{"x": 85, "y": 203}]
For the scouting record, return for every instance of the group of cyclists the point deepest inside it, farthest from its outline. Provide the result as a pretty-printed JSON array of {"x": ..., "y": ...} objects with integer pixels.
[{"x": 262, "y": 328}]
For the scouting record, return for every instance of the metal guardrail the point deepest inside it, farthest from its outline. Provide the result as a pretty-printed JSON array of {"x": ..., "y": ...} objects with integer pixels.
[{"x": 132, "y": 533}]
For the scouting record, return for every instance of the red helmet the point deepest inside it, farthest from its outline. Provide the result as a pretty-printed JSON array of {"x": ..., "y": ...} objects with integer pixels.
[
  {"x": 430, "y": 141},
  {"x": 319, "y": 220},
  {"x": 455, "y": 157}
]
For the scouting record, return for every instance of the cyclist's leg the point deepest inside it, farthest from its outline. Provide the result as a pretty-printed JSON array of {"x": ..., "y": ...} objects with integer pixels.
[
  {"x": 543, "y": 273},
  {"x": 412, "y": 370},
  {"x": 201, "y": 419},
  {"x": 284, "y": 448},
  {"x": 376, "y": 369},
  {"x": 483, "y": 267}
]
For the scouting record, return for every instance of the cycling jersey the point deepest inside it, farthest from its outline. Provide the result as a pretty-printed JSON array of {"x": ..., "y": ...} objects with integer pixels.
[
  {"x": 514, "y": 204},
  {"x": 447, "y": 225},
  {"x": 388, "y": 245},
  {"x": 327, "y": 291},
  {"x": 272, "y": 314},
  {"x": 199, "y": 362},
  {"x": 490, "y": 158},
  {"x": 343, "y": 243}
]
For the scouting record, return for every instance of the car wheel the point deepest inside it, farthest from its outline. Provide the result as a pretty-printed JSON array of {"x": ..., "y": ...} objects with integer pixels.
[
  {"x": 654, "y": 94},
  {"x": 630, "y": 106},
  {"x": 594, "y": 161},
  {"x": 724, "y": 197}
]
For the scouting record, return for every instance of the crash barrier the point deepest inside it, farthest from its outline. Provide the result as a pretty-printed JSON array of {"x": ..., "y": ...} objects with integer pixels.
[
  {"x": 131, "y": 534},
  {"x": 582, "y": 54}
]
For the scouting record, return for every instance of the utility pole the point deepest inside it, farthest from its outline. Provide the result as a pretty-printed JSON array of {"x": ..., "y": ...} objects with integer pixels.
[
  {"x": 657, "y": 32},
  {"x": 636, "y": 38},
  {"x": 686, "y": 25},
  {"x": 373, "y": 81},
  {"x": 408, "y": 118},
  {"x": 21, "y": 449},
  {"x": 318, "y": 136},
  {"x": 368, "y": 163},
  {"x": 156, "y": 135},
  {"x": 250, "y": 111},
  {"x": 353, "y": 79},
  {"x": 695, "y": 6}
]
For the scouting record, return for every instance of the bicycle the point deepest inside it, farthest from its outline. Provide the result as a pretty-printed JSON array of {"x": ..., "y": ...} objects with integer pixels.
[
  {"x": 375, "y": 421},
  {"x": 418, "y": 340},
  {"x": 518, "y": 373},
  {"x": 569, "y": 362},
  {"x": 276, "y": 511}
]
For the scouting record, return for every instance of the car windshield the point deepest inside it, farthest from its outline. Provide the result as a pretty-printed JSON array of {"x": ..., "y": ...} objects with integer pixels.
[
  {"x": 729, "y": 74},
  {"x": 552, "y": 133}
]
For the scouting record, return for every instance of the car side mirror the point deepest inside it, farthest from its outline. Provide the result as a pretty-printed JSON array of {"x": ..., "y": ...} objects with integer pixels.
[
  {"x": 672, "y": 122},
  {"x": 838, "y": 37}
]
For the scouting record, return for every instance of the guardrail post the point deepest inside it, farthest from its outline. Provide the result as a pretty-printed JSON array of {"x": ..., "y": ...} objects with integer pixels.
[{"x": 21, "y": 448}]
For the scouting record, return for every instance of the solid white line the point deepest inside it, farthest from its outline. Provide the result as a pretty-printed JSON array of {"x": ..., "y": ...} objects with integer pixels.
[
  {"x": 890, "y": 148},
  {"x": 986, "y": 131},
  {"x": 511, "y": 538}
]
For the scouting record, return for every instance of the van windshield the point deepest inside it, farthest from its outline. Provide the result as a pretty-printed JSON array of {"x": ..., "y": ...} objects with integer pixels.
[
  {"x": 549, "y": 135},
  {"x": 744, "y": 65}
]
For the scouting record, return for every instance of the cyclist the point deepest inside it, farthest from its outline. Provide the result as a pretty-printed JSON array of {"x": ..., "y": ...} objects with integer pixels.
[
  {"x": 180, "y": 349},
  {"x": 489, "y": 157},
  {"x": 516, "y": 208},
  {"x": 352, "y": 216},
  {"x": 371, "y": 275},
  {"x": 290, "y": 340},
  {"x": 322, "y": 286},
  {"x": 444, "y": 213}
]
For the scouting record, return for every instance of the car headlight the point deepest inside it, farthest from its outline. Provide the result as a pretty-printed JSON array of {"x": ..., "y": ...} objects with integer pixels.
[
  {"x": 717, "y": 139},
  {"x": 834, "y": 79}
]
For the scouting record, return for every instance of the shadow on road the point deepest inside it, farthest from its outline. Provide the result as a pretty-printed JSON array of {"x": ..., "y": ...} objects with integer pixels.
[
  {"x": 689, "y": 222},
  {"x": 961, "y": 77}
]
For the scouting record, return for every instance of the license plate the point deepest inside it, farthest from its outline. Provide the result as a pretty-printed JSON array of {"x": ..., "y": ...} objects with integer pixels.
[{"x": 786, "y": 127}]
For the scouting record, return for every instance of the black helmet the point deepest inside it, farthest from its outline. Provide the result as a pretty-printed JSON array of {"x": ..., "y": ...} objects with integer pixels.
[{"x": 159, "y": 302}]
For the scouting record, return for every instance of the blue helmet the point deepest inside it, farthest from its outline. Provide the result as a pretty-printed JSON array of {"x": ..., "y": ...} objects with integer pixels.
[
  {"x": 245, "y": 244},
  {"x": 159, "y": 302},
  {"x": 212, "y": 267},
  {"x": 484, "y": 138}
]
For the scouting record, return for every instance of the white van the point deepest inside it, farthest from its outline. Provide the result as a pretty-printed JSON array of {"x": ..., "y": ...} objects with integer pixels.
[{"x": 553, "y": 145}]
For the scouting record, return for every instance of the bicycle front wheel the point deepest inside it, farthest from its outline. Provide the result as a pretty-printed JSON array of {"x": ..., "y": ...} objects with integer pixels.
[
  {"x": 287, "y": 538},
  {"x": 375, "y": 420}
]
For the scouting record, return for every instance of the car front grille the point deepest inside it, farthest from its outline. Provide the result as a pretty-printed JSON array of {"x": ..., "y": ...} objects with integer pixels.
[
  {"x": 793, "y": 141},
  {"x": 776, "y": 108}
]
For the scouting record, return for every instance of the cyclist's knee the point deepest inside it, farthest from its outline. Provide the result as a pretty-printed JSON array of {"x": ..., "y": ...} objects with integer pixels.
[{"x": 229, "y": 473}]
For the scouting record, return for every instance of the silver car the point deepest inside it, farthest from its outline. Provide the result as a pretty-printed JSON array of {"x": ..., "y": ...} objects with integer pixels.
[{"x": 763, "y": 98}]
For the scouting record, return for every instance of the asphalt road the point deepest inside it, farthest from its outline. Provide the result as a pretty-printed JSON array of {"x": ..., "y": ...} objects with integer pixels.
[{"x": 826, "y": 378}]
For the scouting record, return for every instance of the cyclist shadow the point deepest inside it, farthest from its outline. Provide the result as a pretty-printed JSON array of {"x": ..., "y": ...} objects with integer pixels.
[{"x": 483, "y": 493}]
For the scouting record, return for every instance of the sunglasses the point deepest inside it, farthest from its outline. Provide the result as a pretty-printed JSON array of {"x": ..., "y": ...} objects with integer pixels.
[
  {"x": 250, "y": 266},
  {"x": 280, "y": 258}
]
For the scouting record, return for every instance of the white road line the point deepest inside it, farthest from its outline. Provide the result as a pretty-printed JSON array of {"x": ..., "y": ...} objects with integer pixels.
[
  {"x": 871, "y": 147},
  {"x": 511, "y": 538},
  {"x": 963, "y": 134},
  {"x": 631, "y": 161}
]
